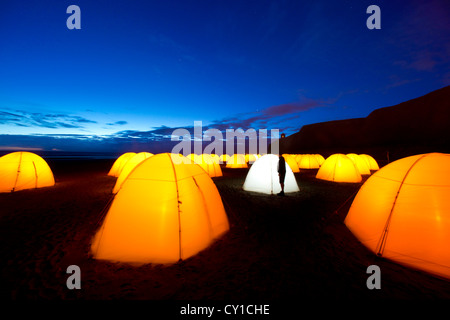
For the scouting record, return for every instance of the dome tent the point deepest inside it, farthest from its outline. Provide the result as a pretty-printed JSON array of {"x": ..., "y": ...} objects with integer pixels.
[
  {"x": 224, "y": 158},
  {"x": 208, "y": 164},
  {"x": 195, "y": 158},
  {"x": 236, "y": 161},
  {"x": 250, "y": 158},
  {"x": 215, "y": 158},
  {"x": 128, "y": 167},
  {"x": 339, "y": 168},
  {"x": 308, "y": 161},
  {"x": 371, "y": 162},
  {"x": 24, "y": 170},
  {"x": 320, "y": 159},
  {"x": 360, "y": 163},
  {"x": 290, "y": 160},
  {"x": 402, "y": 213},
  {"x": 166, "y": 210},
  {"x": 120, "y": 163},
  {"x": 263, "y": 177}
]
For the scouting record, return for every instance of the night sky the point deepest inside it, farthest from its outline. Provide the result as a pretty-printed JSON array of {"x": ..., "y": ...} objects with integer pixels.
[{"x": 137, "y": 70}]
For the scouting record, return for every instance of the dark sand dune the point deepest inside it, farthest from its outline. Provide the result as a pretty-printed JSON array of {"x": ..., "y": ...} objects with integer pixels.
[
  {"x": 277, "y": 249},
  {"x": 416, "y": 126}
]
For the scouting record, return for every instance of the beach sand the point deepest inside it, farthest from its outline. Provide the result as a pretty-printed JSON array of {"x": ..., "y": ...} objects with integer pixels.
[{"x": 277, "y": 248}]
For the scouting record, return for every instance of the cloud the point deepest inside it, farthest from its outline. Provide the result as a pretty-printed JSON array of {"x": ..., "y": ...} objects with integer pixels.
[
  {"x": 396, "y": 81},
  {"x": 44, "y": 120},
  {"x": 6, "y": 117},
  {"x": 290, "y": 108},
  {"x": 158, "y": 139},
  {"x": 117, "y": 123},
  {"x": 82, "y": 143},
  {"x": 273, "y": 116},
  {"x": 422, "y": 33},
  {"x": 157, "y": 134},
  {"x": 13, "y": 148}
]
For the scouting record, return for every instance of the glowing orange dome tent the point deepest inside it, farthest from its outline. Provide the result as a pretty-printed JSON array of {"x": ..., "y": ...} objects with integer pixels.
[
  {"x": 360, "y": 163},
  {"x": 339, "y": 168},
  {"x": 224, "y": 158},
  {"x": 371, "y": 162},
  {"x": 128, "y": 167},
  {"x": 236, "y": 161},
  {"x": 208, "y": 164},
  {"x": 402, "y": 213},
  {"x": 24, "y": 170},
  {"x": 165, "y": 211},
  {"x": 308, "y": 161},
  {"x": 195, "y": 158},
  {"x": 320, "y": 159},
  {"x": 215, "y": 158},
  {"x": 290, "y": 160},
  {"x": 120, "y": 163},
  {"x": 250, "y": 158}
]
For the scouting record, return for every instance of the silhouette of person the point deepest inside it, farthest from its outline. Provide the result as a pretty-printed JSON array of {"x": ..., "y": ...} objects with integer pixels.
[{"x": 281, "y": 173}]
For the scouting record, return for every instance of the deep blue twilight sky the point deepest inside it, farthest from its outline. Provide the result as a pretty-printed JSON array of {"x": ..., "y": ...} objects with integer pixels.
[{"x": 139, "y": 69}]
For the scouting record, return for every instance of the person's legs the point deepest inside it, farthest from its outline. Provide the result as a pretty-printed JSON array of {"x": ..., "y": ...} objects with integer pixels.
[{"x": 282, "y": 185}]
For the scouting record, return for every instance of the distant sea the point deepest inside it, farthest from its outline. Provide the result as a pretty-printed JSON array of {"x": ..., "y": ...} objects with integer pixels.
[{"x": 62, "y": 155}]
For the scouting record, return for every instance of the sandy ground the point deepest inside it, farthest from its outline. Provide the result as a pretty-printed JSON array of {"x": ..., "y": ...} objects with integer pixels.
[{"x": 278, "y": 248}]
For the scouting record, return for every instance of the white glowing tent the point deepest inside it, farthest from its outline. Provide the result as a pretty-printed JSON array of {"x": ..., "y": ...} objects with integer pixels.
[{"x": 263, "y": 177}]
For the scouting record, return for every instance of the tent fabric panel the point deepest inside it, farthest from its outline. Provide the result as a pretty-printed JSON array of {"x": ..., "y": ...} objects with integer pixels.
[
  {"x": 370, "y": 210},
  {"x": 142, "y": 224},
  {"x": 420, "y": 225},
  {"x": 194, "y": 219},
  {"x": 130, "y": 165},
  {"x": 119, "y": 163}
]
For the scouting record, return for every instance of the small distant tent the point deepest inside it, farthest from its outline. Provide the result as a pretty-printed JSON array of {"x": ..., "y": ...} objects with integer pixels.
[
  {"x": 215, "y": 158},
  {"x": 263, "y": 177},
  {"x": 209, "y": 165},
  {"x": 308, "y": 161},
  {"x": 224, "y": 158},
  {"x": 129, "y": 166},
  {"x": 402, "y": 213},
  {"x": 250, "y": 158},
  {"x": 167, "y": 210},
  {"x": 360, "y": 163},
  {"x": 24, "y": 170},
  {"x": 339, "y": 168},
  {"x": 120, "y": 163},
  {"x": 193, "y": 157},
  {"x": 371, "y": 162},
  {"x": 290, "y": 160},
  {"x": 236, "y": 161},
  {"x": 320, "y": 159}
]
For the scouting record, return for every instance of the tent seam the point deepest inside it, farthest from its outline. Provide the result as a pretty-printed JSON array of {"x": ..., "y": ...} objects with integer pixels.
[{"x": 382, "y": 242}]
